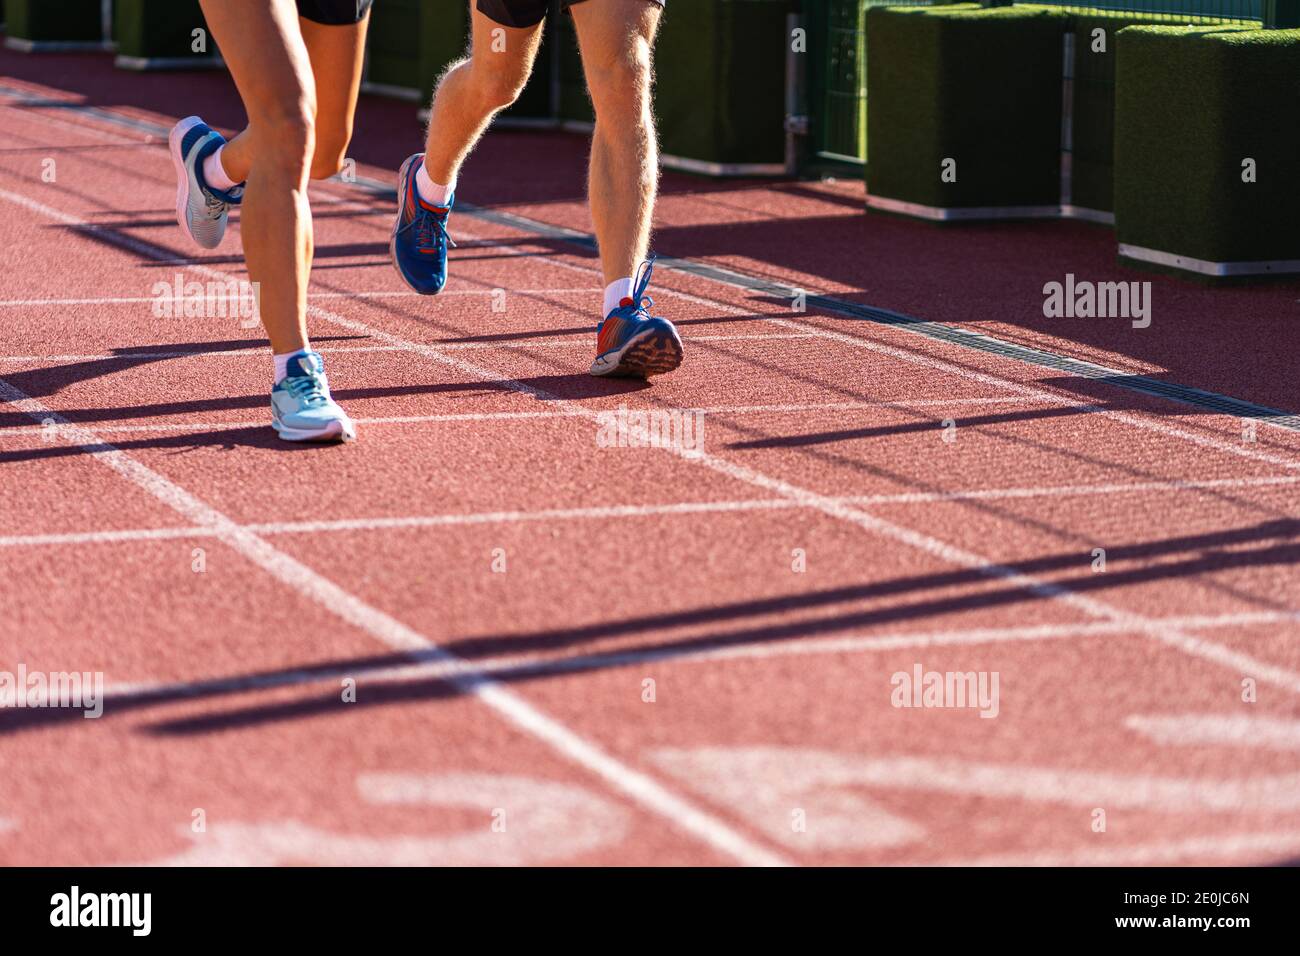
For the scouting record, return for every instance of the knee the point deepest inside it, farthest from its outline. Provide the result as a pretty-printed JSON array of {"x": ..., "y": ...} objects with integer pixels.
[
  {"x": 329, "y": 156},
  {"x": 288, "y": 136},
  {"x": 620, "y": 81},
  {"x": 497, "y": 85}
]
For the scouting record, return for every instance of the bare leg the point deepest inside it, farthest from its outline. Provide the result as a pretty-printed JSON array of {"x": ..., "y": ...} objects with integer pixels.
[
  {"x": 474, "y": 89},
  {"x": 616, "y": 38},
  {"x": 264, "y": 50},
  {"x": 337, "y": 54}
]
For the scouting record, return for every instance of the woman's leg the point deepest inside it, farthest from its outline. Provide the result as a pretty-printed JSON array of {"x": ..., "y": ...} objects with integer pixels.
[
  {"x": 337, "y": 54},
  {"x": 264, "y": 49}
]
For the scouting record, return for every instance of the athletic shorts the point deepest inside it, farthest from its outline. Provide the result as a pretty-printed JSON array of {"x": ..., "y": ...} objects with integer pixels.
[
  {"x": 334, "y": 12},
  {"x": 524, "y": 13}
]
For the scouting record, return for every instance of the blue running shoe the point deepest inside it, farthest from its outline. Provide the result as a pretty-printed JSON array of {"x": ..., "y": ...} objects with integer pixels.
[
  {"x": 420, "y": 240},
  {"x": 301, "y": 407},
  {"x": 201, "y": 210},
  {"x": 631, "y": 342}
]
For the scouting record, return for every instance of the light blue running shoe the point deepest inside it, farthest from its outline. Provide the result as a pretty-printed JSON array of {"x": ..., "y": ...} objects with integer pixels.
[
  {"x": 420, "y": 240},
  {"x": 201, "y": 210},
  {"x": 301, "y": 406}
]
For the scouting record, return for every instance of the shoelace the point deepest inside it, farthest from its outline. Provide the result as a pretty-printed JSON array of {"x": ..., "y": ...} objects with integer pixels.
[
  {"x": 310, "y": 390},
  {"x": 430, "y": 231},
  {"x": 642, "y": 303},
  {"x": 215, "y": 207}
]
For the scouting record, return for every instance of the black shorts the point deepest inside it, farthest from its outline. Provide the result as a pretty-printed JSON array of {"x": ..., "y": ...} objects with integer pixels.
[
  {"x": 334, "y": 12},
  {"x": 523, "y": 13}
]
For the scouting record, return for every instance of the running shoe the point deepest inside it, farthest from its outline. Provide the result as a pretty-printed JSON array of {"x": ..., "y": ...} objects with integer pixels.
[
  {"x": 301, "y": 406},
  {"x": 632, "y": 343},
  {"x": 201, "y": 210},
  {"x": 420, "y": 240}
]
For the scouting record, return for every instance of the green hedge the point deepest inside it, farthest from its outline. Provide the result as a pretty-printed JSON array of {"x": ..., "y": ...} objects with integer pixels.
[
  {"x": 54, "y": 21},
  {"x": 980, "y": 86},
  {"x": 160, "y": 30},
  {"x": 720, "y": 86},
  {"x": 1092, "y": 128},
  {"x": 1192, "y": 103}
]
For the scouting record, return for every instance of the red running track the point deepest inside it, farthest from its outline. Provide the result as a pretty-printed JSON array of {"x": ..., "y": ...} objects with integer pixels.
[{"x": 562, "y": 652}]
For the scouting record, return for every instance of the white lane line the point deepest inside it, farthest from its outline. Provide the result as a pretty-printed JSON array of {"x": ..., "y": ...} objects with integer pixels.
[
  {"x": 542, "y": 664},
  {"x": 1274, "y": 847},
  {"x": 1231, "y": 730},
  {"x": 259, "y": 351},
  {"x": 1189, "y": 644},
  {"x": 51, "y": 431},
  {"x": 360, "y": 294},
  {"x": 466, "y": 677},
  {"x": 639, "y": 786},
  {"x": 613, "y": 511},
  {"x": 933, "y": 362}
]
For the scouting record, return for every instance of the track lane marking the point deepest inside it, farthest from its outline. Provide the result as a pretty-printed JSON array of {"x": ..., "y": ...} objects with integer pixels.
[
  {"x": 1227, "y": 730},
  {"x": 540, "y": 665},
  {"x": 952, "y": 554},
  {"x": 615, "y": 511}
]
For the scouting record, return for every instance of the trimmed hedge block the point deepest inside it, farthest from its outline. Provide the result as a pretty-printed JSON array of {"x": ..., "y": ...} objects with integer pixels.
[
  {"x": 1195, "y": 107},
  {"x": 53, "y": 21},
  {"x": 980, "y": 87},
  {"x": 720, "y": 86},
  {"x": 154, "y": 34},
  {"x": 1092, "y": 125}
]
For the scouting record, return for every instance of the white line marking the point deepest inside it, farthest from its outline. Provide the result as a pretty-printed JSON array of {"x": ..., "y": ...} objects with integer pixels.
[
  {"x": 259, "y": 352},
  {"x": 1081, "y": 788},
  {"x": 611, "y": 511},
  {"x": 326, "y": 594},
  {"x": 1276, "y": 846},
  {"x": 922, "y": 358},
  {"x": 1232, "y": 730},
  {"x": 1187, "y": 643},
  {"x": 541, "y": 664},
  {"x": 375, "y": 294},
  {"x": 104, "y": 429}
]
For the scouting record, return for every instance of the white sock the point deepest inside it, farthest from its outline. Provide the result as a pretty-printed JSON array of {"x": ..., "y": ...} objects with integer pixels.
[
  {"x": 615, "y": 293},
  {"x": 282, "y": 362},
  {"x": 435, "y": 194},
  {"x": 214, "y": 174}
]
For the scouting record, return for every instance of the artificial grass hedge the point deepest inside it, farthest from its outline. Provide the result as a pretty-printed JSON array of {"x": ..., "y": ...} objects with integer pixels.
[
  {"x": 978, "y": 85},
  {"x": 54, "y": 21},
  {"x": 1191, "y": 104},
  {"x": 1092, "y": 127},
  {"x": 720, "y": 87},
  {"x": 160, "y": 29}
]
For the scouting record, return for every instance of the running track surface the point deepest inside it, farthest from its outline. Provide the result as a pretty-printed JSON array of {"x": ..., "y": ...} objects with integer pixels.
[{"x": 501, "y": 590}]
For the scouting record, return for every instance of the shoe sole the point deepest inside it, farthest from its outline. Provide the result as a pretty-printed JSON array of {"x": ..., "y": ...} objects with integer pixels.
[
  {"x": 174, "y": 140},
  {"x": 650, "y": 353},
  {"x": 392, "y": 239},
  {"x": 334, "y": 432}
]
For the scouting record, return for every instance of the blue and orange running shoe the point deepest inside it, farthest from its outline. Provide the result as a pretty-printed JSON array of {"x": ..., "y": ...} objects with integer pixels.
[
  {"x": 420, "y": 240},
  {"x": 631, "y": 342},
  {"x": 201, "y": 210}
]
